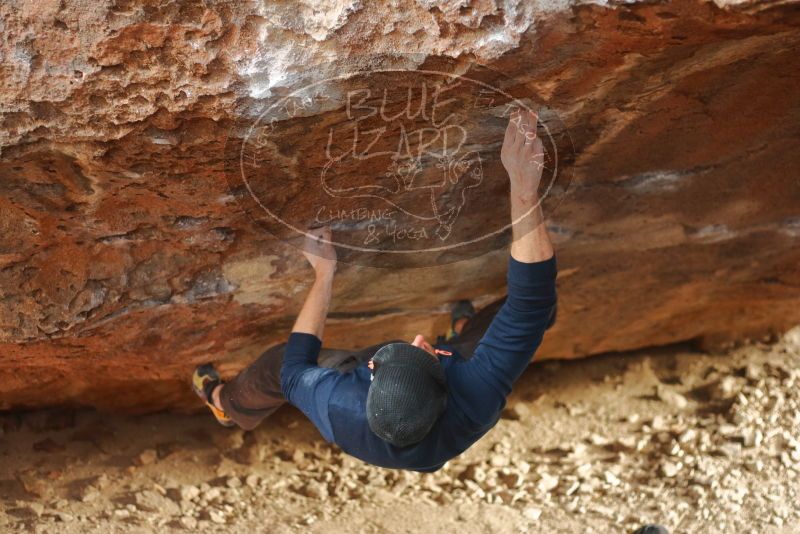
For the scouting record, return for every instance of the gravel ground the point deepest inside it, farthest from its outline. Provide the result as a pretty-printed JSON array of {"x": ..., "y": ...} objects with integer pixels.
[{"x": 698, "y": 442}]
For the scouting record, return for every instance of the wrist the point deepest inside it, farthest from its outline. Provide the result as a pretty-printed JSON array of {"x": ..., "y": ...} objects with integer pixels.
[
  {"x": 325, "y": 274},
  {"x": 524, "y": 193}
]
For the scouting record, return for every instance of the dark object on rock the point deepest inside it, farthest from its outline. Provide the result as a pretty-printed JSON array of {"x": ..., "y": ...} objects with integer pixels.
[{"x": 652, "y": 529}]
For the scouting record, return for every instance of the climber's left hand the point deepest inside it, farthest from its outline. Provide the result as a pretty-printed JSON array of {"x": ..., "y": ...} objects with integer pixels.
[{"x": 319, "y": 251}]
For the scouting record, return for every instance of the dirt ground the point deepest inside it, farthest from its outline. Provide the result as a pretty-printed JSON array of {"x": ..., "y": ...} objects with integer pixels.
[{"x": 698, "y": 442}]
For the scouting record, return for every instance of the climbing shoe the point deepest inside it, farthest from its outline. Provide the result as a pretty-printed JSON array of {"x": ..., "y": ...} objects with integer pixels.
[
  {"x": 463, "y": 309},
  {"x": 204, "y": 379}
]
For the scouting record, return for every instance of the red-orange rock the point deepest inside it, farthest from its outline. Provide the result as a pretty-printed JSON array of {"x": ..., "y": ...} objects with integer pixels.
[{"x": 131, "y": 249}]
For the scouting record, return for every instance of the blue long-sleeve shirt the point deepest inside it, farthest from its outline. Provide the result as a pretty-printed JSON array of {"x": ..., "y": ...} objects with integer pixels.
[{"x": 477, "y": 387}]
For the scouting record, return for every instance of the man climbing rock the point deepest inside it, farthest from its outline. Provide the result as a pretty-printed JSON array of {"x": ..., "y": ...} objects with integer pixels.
[{"x": 410, "y": 405}]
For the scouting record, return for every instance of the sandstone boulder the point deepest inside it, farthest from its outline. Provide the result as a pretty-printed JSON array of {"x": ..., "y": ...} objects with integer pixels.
[{"x": 133, "y": 245}]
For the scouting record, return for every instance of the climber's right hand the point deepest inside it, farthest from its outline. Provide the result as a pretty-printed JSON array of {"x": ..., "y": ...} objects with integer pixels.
[{"x": 522, "y": 153}]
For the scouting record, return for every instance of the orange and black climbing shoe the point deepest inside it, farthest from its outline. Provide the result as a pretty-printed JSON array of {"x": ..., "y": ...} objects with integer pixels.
[
  {"x": 204, "y": 379},
  {"x": 463, "y": 309}
]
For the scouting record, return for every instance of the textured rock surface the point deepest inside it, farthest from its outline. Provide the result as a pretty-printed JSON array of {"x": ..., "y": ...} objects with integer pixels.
[{"x": 126, "y": 257}]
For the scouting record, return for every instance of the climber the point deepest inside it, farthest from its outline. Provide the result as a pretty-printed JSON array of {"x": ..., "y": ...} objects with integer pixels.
[{"x": 410, "y": 405}]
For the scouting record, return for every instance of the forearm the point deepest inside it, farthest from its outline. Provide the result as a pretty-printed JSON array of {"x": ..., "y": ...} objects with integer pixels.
[
  {"x": 311, "y": 319},
  {"x": 531, "y": 243}
]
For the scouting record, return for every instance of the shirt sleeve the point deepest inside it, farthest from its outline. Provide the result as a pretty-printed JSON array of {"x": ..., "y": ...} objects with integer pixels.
[
  {"x": 306, "y": 385},
  {"x": 480, "y": 385}
]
